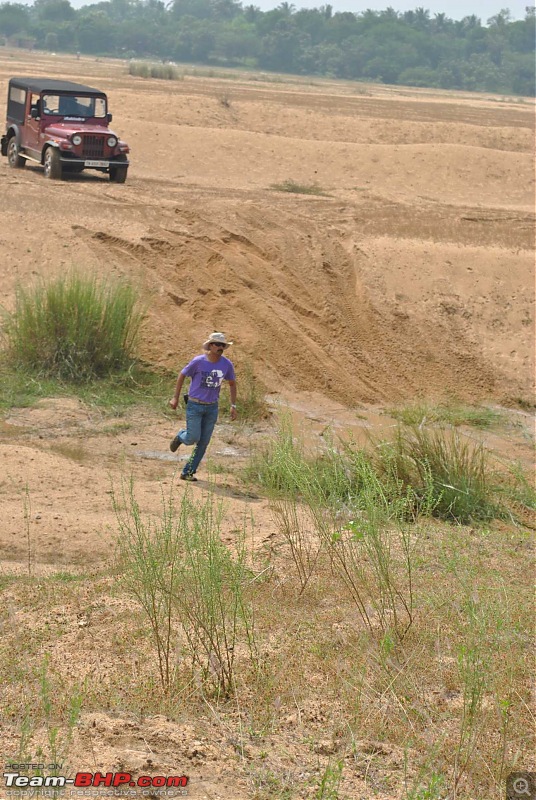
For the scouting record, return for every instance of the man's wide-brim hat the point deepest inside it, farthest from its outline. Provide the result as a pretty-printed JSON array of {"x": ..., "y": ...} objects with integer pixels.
[{"x": 216, "y": 338}]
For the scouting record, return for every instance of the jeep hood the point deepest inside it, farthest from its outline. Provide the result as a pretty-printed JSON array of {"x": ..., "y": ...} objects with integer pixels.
[{"x": 68, "y": 127}]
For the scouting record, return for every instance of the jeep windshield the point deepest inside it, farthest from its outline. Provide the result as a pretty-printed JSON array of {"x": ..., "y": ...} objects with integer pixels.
[{"x": 74, "y": 105}]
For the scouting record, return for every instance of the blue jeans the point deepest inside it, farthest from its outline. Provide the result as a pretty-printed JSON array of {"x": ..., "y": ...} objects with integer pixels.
[{"x": 200, "y": 422}]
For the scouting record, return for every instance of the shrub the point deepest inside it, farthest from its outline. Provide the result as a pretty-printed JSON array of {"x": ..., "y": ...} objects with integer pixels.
[{"x": 73, "y": 328}]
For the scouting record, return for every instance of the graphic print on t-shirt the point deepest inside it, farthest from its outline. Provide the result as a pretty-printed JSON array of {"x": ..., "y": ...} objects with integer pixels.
[{"x": 213, "y": 379}]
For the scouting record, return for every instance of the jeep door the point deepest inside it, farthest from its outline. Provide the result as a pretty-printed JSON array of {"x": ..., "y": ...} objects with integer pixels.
[{"x": 32, "y": 128}]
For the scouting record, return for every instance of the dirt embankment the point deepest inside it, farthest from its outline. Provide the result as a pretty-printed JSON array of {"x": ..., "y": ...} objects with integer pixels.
[{"x": 411, "y": 275}]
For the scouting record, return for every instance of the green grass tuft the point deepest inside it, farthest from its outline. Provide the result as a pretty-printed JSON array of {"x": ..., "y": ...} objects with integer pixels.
[
  {"x": 451, "y": 474},
  {"x": 73, "y": 328},
  {"x": 449, "y": 414},
  {"x": 138, "y": 385}
]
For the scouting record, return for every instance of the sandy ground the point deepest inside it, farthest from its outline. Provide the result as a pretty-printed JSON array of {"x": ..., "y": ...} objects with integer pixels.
[{"x": 410, "y": 277}]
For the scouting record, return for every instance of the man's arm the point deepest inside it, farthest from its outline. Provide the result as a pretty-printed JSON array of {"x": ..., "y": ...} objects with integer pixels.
[
  {"x": 232, "y": 390},
  {"x": 175, "y": 399}
]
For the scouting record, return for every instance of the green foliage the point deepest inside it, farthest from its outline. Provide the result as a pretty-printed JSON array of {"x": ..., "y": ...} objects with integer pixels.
[
  {"x": 404, "y": 48},
  {"x": 60, "y": 714},
  {"x": 449, "y": 414},
  {"x": 420, "y": 471},
  {"x": 452, "y": 472},
  {"x": 250, "y": 401},
  {"x": 330, "y": 782},
  {"x": 341, "y": 505},
  {"x": 116, "y": 392},
  {"x": 73, "y": 328}
]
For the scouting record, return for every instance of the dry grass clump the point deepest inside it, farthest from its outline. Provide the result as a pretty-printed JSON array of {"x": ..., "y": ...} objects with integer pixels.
[{"x": 189, "y": 585}]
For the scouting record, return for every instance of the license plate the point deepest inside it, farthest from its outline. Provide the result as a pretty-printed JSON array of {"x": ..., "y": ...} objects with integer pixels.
[{"x": 96, "y": 163}]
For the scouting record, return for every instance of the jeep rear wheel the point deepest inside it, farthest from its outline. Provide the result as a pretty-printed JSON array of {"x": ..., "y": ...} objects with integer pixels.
[
  {"x": 14, "y": 159},
  {"x": 118, "y": 174},
  {"x": 52, "y": 164}
]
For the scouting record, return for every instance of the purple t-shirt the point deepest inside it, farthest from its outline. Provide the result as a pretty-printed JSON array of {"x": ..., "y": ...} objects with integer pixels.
[{"x": 207, "y": 377}]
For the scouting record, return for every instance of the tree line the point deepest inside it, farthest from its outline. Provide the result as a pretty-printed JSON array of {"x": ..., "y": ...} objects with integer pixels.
[{"x": 412, "y": 48}]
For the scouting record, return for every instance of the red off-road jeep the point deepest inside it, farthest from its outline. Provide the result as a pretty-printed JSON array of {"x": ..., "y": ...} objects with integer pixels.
[{"x": 64, "y": 127}]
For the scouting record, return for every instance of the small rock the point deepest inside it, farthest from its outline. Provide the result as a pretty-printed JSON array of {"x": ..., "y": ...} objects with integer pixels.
[{"x": 325, "y": 748}]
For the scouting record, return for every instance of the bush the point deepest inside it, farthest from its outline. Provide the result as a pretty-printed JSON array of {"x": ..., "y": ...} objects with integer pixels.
[
  {"x": 73, "y": 328},
  {"x": 444, "y": 475},
  {"x": 143, "y": 69}
]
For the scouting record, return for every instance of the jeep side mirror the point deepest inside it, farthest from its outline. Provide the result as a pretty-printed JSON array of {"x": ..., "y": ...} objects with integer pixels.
[
  {"x": 109, "y": 117},
  {"x": 34, "y": 112}
]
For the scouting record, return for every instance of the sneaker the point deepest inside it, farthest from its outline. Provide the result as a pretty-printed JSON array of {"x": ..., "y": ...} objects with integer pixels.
[
  {"x": 189, "y": 478},
  {"x": 175, "y": 443}
]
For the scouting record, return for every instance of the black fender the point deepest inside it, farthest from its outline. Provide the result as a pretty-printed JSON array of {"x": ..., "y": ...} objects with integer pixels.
[
  {"x": 12, "y": 131},
  {"x": 46, "y": 145}
]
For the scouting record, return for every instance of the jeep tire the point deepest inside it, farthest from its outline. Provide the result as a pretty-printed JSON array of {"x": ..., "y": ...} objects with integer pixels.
[
  {"x": 118, "y": 174},
  {"x": 52, "y": 164},
  {"x": 14, "y": 159}
]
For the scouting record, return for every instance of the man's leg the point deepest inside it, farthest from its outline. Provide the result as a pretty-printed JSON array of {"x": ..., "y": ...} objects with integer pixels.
[
  {"x": 209, "y": 418},
  {"x": 192, "y": 432}
]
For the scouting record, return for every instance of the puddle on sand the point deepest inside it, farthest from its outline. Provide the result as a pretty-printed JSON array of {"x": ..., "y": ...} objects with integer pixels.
[
  {"x": 229, "y": 451},
  {"x": 314, "y": 416},
  {"x": 8, "y": 429},
  {"x": 157, "y": 455}
]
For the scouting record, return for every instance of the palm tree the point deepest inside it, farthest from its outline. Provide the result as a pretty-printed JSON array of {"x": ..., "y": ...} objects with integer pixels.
[
  {"x": 287, "y": 9},
  {"x": 440, "y": 21},
  {"x": 422, "y": 18},
  {"x": 389, "y": 14}
]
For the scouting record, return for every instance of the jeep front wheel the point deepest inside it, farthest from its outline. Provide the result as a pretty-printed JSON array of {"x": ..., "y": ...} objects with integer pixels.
[
  {"x": 118, "y": 174},
  {"x": 14, "y": 159},
  {"x": 52, "y": 164}
]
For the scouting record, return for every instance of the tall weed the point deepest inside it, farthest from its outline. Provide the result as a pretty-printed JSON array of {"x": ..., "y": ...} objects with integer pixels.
[
  {"x": 212, "y": 604},
  {"x": 150, "y": 558},
  {"x": 191, "y": 587}
]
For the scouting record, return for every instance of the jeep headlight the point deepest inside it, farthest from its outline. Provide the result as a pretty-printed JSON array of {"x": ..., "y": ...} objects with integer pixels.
[
  {"x": 76, "y": 139},
  {"x": 111, "y": 141}
]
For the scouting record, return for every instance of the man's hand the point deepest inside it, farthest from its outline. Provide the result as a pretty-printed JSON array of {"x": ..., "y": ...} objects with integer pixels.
[
  {"x": 233, "y": 413},
  {"x": 174, "y": 402}
]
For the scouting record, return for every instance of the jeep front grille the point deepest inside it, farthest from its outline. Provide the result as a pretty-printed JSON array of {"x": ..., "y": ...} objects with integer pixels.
[{"x": 92, "y": 146}]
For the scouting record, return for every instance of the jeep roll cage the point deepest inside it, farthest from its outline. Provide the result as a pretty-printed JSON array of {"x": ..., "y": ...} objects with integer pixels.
[{"x": 16, "y": 106}]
